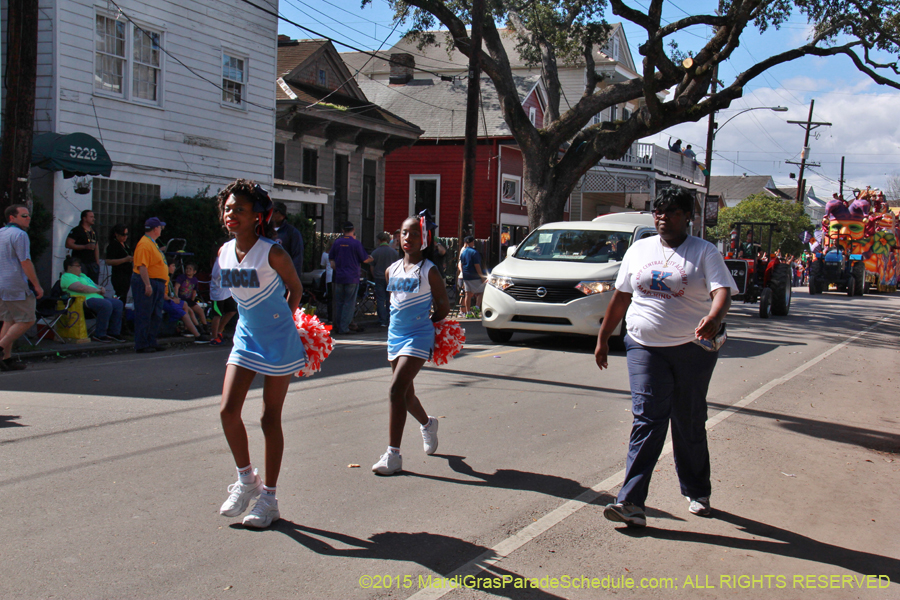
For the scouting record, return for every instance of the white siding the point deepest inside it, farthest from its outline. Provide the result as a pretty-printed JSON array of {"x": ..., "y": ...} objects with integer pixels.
[
  {"x": 190, "y": 141},
  {"x": 233, "y": 142}
]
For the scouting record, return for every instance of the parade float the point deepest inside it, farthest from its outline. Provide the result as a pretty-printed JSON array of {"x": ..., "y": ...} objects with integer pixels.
[{"x": 857, "y": 250}]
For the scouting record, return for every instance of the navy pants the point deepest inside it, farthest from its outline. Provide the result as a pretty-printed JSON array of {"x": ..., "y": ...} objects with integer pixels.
[
  {"x": 147, "y": 311},
  {"x": 109, "y": 315},
  {"x": 382, "y": 302},
  {"x": 344, "y": 305},
  {"x": 668, "y": 384}
]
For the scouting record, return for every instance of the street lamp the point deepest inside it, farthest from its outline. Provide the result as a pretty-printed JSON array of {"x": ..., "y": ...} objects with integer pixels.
[{"x": 710, "y": 137}]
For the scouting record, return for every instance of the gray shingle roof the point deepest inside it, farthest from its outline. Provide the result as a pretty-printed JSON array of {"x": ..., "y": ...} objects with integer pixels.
[
  {"x": 439, "y": 107},
  {"x": 733, "y": 189},
  {"x": 436, "y": 58}
]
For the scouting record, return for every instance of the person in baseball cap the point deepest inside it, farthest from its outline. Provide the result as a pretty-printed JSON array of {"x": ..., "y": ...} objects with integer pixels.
[{"x": 153, "y": 223}]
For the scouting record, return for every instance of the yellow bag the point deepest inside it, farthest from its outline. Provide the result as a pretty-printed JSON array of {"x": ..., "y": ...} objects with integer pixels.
[{"x": 73, "y": 326}]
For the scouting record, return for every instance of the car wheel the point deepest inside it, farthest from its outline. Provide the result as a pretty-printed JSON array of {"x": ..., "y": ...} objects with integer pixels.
[{"x": 499, "y": 336}]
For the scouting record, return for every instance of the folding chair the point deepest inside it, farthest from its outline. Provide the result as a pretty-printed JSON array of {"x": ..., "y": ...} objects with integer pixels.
[
  {"x": 365, "y": 299},
  {"x": 47, "y": 315}
]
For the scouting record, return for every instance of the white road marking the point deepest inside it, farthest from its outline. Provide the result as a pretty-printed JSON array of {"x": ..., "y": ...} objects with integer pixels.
[{"x": 570, "y": 507}]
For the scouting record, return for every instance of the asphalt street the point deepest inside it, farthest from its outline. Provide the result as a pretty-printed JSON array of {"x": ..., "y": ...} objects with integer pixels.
[{"x": 112, "y": 468}]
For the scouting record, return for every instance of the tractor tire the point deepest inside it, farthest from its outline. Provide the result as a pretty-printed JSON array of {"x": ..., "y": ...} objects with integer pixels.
[
  {"x": 851, "y": 286},
  {"x": 499, "y": 336},
  {"x": 780, "y": 284},
  {"x": 859, "y": 273},
  {"x": 765, "y": 304},
  {"x": 815, "y": 277}
]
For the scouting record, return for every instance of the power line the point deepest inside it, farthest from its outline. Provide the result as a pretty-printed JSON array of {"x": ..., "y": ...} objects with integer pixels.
[{"x": 332, "y": 40}]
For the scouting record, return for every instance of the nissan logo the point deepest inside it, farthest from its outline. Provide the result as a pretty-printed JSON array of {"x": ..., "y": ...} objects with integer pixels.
[{"x": 541, "y": 292}]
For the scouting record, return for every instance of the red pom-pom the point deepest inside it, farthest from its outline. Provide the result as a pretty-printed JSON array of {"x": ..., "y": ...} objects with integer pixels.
[
  {"x": 449, "y": 338},
  {"x": 316, "y": 341}
]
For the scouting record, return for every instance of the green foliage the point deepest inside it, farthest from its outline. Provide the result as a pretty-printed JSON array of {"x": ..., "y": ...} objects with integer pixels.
[
  {"x": 307, "y": 228},
  {"x": 195, "y": 219},
  {"x": 38, "y": 231},
  {"x": 761, "y": 208}
]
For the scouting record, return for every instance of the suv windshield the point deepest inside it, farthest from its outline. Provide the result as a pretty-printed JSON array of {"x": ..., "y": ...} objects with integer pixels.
[{"x": 574, "y": 245}]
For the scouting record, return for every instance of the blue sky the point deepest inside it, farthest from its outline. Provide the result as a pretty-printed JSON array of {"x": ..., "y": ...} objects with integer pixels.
[{"x": 864, "y": 127}]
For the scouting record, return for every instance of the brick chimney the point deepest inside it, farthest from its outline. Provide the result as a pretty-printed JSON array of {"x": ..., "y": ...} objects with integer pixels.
[{"x": 402, "y": 67}]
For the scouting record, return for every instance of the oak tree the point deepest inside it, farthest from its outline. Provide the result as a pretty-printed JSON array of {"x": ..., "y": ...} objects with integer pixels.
[{"x": 568, "y": 32}]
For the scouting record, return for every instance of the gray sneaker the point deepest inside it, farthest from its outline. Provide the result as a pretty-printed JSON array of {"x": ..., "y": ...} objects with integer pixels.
[
  {"x": 700, "y": 506},
  {"x": 429, "y": 435},
  {"x": 625, "y": 512}
]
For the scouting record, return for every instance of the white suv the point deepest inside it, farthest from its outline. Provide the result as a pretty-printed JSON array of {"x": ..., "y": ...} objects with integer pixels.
[{"x": 561, "y": 277}]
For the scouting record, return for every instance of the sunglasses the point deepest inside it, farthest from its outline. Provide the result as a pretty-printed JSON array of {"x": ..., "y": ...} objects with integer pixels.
[{"x": 668, "y": 211}]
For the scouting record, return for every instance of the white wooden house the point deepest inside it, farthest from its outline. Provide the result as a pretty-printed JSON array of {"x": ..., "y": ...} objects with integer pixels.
[{"x": 180, "y": 94}]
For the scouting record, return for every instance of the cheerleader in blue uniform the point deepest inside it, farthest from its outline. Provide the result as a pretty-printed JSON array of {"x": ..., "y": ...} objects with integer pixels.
[
  {"x": 256, "y": 270},
  {"x": 418, "y": 301}
]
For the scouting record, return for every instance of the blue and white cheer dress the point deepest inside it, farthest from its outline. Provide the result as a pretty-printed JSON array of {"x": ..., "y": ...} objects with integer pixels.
[
  {"x": 411, "y": 332},
  {"x": 266, "y": 338}
]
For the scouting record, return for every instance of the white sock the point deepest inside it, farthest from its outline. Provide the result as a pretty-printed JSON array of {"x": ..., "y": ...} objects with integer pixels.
[
  {"x": 245, "y": 474},
  {"x": 394, "y": 450},
  {"x": 268, "y": 492}
]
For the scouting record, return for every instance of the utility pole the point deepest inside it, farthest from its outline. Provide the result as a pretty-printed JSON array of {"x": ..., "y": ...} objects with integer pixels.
[
  {"x": 841, "y": 182},
  {"x": 18, "y": 123},
  {"x": 808, "y": 125},
  {"x": 710, "y": 137},
  {"x": 471, "y": 145}
]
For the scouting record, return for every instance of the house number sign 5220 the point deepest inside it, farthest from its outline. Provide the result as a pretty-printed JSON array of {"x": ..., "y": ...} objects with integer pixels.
[{"x": 83, "y": 153}]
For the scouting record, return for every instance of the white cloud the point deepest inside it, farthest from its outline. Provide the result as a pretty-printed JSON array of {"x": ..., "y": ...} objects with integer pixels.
[{"x": 865, "y": 130}]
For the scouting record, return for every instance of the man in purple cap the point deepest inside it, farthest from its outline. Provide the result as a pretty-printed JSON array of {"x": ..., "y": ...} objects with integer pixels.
[{"x": 148, "y": 286}]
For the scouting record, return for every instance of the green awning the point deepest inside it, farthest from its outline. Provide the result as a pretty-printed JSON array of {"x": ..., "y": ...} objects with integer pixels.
[{"x": 73, "y": 154}]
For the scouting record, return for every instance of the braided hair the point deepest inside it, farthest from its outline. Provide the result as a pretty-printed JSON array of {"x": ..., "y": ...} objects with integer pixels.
[{"x": 262, "y": 204}]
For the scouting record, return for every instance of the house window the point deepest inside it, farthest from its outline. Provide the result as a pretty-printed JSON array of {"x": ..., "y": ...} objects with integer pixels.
[
  {"x": 109, "y": 45},
  {"x": 279, "y": 161},
  {"x": 425, "y": 192},
  {"x": 613, "y": 110},
  {"x": 310, "y": 166},
  {"x": 323, "y": 78},
  {"x": 615, "y": 48},
  {"x": 114, "y": 64},
  {"x": 532, "y": 115},
  {"x": 234, "y": 79},
  {"x": 510, "y": 189},
  {"x": 146, "y": 65}
]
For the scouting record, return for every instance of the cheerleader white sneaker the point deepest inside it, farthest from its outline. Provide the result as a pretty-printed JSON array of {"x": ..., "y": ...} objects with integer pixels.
[
  {"x": 240, "y": 495},
  {"x": 264, "y": 513},
  {"x": 388, "y": 464},
  {"x": 429, "y": 435}
]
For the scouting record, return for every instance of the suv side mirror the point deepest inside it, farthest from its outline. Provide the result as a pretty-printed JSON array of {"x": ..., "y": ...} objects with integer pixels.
[{"x": 510, "y": 250}]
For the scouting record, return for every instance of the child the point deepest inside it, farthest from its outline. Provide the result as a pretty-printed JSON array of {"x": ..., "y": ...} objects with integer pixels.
[
  {"x": 223, "y": 306},
  {"x": 176, "y": 309},
  {"x": 257, "y": 270},
  {"x": 416, "y": 287},
  {"x": 186, "y": 289}
]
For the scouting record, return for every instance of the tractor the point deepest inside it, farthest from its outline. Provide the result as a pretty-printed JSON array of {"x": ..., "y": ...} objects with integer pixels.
[
  {"x": 759, "y": 275},
  {"x": 835, "y": 265}
]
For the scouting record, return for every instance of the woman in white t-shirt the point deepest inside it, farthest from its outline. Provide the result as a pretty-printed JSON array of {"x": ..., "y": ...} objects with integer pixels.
[{"x": 673, "y": 290}]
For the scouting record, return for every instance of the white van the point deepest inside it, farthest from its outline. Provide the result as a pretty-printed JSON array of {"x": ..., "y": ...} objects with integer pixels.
[{"x": 560, "y": 279}]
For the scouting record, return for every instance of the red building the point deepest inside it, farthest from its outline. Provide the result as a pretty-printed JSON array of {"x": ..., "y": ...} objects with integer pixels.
[{"x": 428, "y": 174}]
